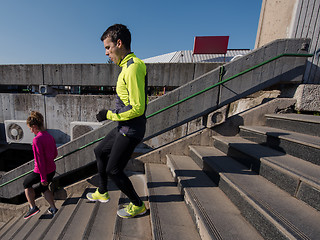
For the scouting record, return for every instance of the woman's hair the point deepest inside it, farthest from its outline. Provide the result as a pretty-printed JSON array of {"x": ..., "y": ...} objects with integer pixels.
[{"x": 36, "y": 119}]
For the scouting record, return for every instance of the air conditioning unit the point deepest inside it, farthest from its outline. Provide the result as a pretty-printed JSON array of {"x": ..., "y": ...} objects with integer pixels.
[
  {"x": 17, "y": 131},
  {"x": 80, "y": 128}
]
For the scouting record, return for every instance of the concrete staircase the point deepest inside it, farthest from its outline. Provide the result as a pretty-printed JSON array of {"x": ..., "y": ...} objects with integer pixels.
[
  {"x": 79, "y": 218},
  {"x": 262, "y": 184},
  {"x": 265, "y": 172}
]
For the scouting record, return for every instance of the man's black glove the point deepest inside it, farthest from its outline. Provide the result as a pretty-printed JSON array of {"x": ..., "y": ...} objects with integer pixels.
[{"x": 102, "y": 115}]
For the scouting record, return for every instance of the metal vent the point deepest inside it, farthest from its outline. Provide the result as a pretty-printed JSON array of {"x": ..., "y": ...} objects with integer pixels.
[{"x": 17, "y": 131}]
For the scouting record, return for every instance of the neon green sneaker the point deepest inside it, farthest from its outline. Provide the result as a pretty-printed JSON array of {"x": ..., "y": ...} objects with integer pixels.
[
  {"x": 96, "y": 196},
  {"x": 131, "y": 211}
]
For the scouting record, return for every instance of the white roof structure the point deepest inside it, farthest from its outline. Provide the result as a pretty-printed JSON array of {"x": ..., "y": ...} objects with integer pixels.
[{"x": 186, "y": 56}]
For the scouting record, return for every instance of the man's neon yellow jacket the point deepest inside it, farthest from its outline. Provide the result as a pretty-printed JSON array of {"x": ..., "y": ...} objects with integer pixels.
[{"x": 131, "y": 100}]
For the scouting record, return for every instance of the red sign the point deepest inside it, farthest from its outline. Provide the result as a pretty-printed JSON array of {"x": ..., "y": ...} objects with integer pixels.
[{"x": 211, "y": 45}]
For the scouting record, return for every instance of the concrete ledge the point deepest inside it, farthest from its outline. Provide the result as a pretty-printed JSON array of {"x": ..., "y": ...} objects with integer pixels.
[
  {"x": 253, "y": 116},
  {"x": 308, "y": 97},
  {"x": 159, "y": 74}
]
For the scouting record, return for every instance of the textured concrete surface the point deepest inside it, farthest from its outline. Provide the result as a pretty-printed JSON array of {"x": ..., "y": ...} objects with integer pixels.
[
  {"x": 308, "y": 97},
  {"x": 302, "y": 123}
]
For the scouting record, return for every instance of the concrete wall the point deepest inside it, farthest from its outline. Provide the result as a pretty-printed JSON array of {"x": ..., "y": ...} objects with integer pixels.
[
  {"x": 295, "y": 19},
  {"x": 62, "y": 109},
  {"x": 159, "y": 74},
  {"x": 275, "y": 20},
  {"x": 59, "y": 111},
  {"x": 292, "y": 19},
  {"x": 307, "y": 25}
]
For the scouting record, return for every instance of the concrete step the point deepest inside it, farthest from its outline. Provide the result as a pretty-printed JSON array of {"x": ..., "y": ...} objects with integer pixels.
[
  {"x": 170, "y": 218},
  {"x": 6, "y": 226},
  {"x": 21, "y": 227},
  {"x": 138, "y": 227},
  {"x": 62, "y": 217},
  {"x": 103, "y": 216},
  {"x": 302, "y": 123},
  {"x": 299, "y": 178},
  {"x": 45, "y": 221},
  {"x": 299, "y": 145},
  {"x": 215, "y": 215},
  {"x": 76, "y": 224},
  {"x": 78, "y": 218},
  {"x": 272, "y": 211}
]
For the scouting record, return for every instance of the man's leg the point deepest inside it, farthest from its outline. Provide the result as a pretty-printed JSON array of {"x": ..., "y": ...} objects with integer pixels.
[
  {"x": 102, "y": 153},
  {"x": 121, "y": 152}
]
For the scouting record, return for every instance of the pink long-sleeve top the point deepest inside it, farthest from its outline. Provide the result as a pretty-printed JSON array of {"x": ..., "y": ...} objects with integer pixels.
[{"x": 44, "y": 151}]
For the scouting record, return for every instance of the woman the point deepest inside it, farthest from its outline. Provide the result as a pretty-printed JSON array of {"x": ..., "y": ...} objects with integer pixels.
[{"x": 45, "y": 151}]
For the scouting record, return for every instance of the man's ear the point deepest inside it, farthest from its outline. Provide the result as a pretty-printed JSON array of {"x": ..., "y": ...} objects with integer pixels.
[{"x": 119, "y": 43}]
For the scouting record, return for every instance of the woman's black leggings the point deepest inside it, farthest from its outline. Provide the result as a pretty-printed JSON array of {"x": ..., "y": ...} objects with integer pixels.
[
  {"x": 113, "y": 154},
  {"x": 34, "y": 178}
]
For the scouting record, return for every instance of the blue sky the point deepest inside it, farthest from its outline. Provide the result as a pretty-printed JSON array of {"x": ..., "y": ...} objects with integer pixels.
[{"x": 68, "y": 31}]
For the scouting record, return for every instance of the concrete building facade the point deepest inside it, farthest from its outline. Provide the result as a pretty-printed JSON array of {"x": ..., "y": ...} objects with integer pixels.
[{"x": 293, "y": 19}]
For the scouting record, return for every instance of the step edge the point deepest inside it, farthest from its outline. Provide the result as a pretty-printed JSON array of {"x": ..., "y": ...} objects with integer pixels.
[
  {"x": 154, "y": 216},
  {"x": 281, "y": 116},
  {"x": 283, "y": 137},
  {"x": 204, "y": 223}
]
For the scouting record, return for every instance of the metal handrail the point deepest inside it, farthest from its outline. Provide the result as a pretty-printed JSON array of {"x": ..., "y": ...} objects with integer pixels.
[{"x": 175, "y": 104}]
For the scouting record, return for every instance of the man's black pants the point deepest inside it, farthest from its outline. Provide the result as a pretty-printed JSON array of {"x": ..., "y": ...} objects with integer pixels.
[{"x": 113, "y": 154}]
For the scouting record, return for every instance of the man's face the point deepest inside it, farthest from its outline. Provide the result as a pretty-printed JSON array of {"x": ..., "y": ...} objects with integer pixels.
[{"x": 112, "y": 50}]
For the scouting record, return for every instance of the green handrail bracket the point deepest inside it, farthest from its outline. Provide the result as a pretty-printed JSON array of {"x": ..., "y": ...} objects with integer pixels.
[{"x": 179, "y": 102}]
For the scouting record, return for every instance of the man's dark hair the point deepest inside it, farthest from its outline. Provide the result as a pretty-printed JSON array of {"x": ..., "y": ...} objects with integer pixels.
[{"x": 118, "y": 31}]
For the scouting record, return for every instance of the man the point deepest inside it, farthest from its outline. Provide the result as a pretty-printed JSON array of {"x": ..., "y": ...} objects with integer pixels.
[{"x": 115, "y": 150}]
